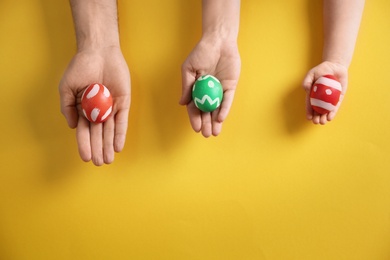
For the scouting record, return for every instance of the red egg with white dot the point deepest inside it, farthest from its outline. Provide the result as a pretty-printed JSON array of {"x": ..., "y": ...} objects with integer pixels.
[
  {"x": 96, "y": 103},
  {"x": 325, "y": 94}
]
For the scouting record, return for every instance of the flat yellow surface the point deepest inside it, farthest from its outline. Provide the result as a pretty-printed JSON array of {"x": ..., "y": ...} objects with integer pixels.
[{"x": 272, "y": 186}]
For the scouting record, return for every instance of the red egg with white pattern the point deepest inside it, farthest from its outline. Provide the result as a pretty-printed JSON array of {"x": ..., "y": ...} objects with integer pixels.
[
  {"x": 96, "y": 103},
  {"x": 325, "y": 94}
]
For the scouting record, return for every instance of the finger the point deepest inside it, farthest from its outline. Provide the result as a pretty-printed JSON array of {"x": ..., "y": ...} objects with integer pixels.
[
  {"x": 83, "y": 139},
  {"x": 206, "y": 124},
  {"x": 121, "y": 124},
  {"x": 188, "y": 79},
  {"x": 308, "y": 81},
  {"x": 316, "y": 118},
  {"x": 97, "y": 143},
  {"x": 319, "y": 118},
  {"x": 108, "y": 140},
  {"x": 195, "y": 116},
  {"x": 216, "y": 124},
  {"x": 332, "y": 114},
  {"x": 307, "y": 84},
  {"x": 226, "y": 105},
  {"x": 68, "y": 106},
  {"x": 324, "y": 119},
  {"x": 309, "y": 109}
]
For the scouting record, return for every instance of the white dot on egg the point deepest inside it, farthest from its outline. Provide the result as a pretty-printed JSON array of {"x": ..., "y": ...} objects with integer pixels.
[
  {"x": 210, "y": 84},
  {"x": 315, "y": 89},
  {"x": 328, "y": 92}
]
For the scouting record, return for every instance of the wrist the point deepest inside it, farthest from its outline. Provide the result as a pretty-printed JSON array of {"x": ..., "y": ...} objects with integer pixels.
[
  {"x": 96, "y": 24},
  {"x": 336, "y": 61},
  {"x": 216, "y": 39},
  {"x": 337, "y": 54},
  {"x": 96, "y": 41},
  {"x": 220, "y": 34},
  {"x": 220, "y": 19}
]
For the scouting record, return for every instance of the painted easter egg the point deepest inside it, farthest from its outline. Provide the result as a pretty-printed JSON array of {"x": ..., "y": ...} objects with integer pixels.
[
  {"x": 96, "y": 103},
  {"x": 207, "y": 93},
  {"x": 325, "y": 94}
]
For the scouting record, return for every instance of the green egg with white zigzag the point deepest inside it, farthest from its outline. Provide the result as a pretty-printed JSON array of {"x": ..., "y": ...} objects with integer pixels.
[{"x": 207, "y": 93}]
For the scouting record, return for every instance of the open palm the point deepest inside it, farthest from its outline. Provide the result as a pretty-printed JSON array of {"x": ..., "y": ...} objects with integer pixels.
[
  {"x": 97, "y": 142},
  {"x": 221, "y": 60}
]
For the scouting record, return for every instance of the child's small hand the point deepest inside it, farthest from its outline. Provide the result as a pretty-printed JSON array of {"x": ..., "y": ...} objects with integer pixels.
[{"x": 326, "y": 67}]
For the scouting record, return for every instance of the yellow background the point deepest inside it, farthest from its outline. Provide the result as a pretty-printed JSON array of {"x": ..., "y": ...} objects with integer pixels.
[{"x": 271, "y": 186}]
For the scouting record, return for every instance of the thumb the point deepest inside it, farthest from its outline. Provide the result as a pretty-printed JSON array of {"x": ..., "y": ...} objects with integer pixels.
[
  {"x": 188, "y": 80},
  {"x": 308, "y": 81},
  {"x": 68, "y": 106}
]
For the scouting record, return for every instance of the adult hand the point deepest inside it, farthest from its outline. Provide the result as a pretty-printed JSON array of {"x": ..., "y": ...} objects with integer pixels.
[
  {"x": 97, "y": 142},
  {"x": 222, "y": 60}
]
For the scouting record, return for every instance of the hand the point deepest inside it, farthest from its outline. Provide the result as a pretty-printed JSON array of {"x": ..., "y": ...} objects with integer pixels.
[
  {"x": 98, "y": 142},
  {"x": 217, "y": 58},
  {"x": 326, "y": 67}
]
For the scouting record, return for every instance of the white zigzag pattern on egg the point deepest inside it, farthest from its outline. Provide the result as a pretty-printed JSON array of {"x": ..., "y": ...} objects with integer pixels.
[{"x": 208, "y": 98}]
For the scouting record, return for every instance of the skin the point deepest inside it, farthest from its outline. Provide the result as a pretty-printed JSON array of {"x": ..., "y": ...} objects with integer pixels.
[
  {"x": 341, "y": 25},
  {"x": 98, "y": 60},
  {"x": 217, "y": 54}
]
